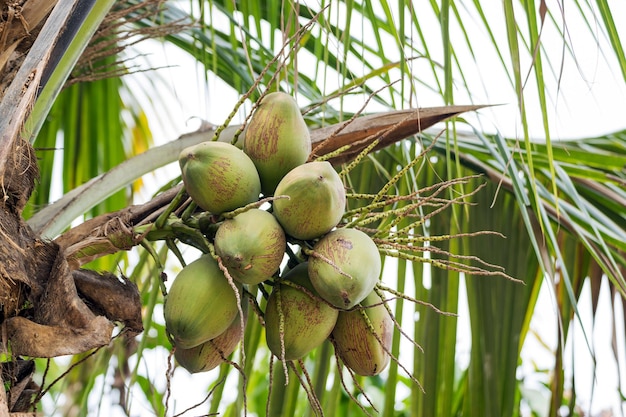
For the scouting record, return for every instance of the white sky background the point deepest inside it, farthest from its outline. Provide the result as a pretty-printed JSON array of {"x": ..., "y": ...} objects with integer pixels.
[{"x": 590, "y": 100}]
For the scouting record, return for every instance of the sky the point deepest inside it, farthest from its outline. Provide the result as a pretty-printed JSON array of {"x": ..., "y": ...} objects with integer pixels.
[{"x": 585, "y": 90}]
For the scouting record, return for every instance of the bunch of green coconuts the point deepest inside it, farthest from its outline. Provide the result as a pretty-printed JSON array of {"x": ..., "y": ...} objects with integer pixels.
[{"x": 329, "y": 293}]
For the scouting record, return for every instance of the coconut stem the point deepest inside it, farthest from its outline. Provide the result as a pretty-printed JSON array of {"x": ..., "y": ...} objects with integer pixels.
[
  {"x": 254, "y": 205},
  {"x": 178, "y": 198},
  {"x": 232, "y": 284},
  {"x": 356, "y": 383},
  {"x": 189, "y": 211},
  {"x": 281, "y": 331},
  {"x": 311, "y": 252},
  {"x": 387, "y": 350}
]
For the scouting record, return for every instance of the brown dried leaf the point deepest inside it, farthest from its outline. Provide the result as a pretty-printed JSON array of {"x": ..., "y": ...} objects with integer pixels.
[
  {"x": 390, "y": 127},
  {"x": 113, "y": 235},
  {"x": 6, "y": 54},
  {"x": 43, "y": 341},
  {"x": 106, "y": 294}
]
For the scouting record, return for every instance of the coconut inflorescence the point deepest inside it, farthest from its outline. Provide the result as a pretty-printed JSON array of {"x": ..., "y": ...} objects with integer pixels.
[{"x": 270, "y": 219}]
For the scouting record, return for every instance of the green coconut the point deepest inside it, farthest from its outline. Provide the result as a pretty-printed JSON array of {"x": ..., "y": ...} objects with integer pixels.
[
  {"x": 277, "y": 139},
  {"x": 308, "y": 320},
  {"x": 345, "y": 267},
  {"x": 210, "y": 354},
  {"x": 363, "y": 348},
  {"x": 200, "y": 304},
  {"x": 219, "y": 177},
  {"x": 251, "y": 245},
  {"x": 316, "y": 203}
]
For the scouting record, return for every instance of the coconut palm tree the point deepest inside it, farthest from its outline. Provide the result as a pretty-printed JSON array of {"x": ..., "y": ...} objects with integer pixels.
[{"x": 463, "y": 215}]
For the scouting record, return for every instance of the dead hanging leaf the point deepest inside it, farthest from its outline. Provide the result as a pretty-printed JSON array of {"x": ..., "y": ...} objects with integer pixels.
[
  {"x": 44, "y": 341},
  {"x": 75, "y": 313},
  {"x": 18, "y": 375},
  {"x": 389, "y": 127},
  {"x": 115, "y": 298},
  {"x": 22, "y": 20},
  {"x": 44, "y": 314},
  {"x": 6, "y": 53},
  {"x": 92, "y": 239}
]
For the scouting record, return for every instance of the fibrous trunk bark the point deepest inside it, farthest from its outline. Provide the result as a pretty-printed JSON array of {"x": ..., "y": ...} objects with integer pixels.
[{"x": 48, "y": 307}]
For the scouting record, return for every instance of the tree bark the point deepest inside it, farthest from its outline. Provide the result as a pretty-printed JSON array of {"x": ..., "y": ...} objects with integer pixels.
[{"x": 44, "y": 312}]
